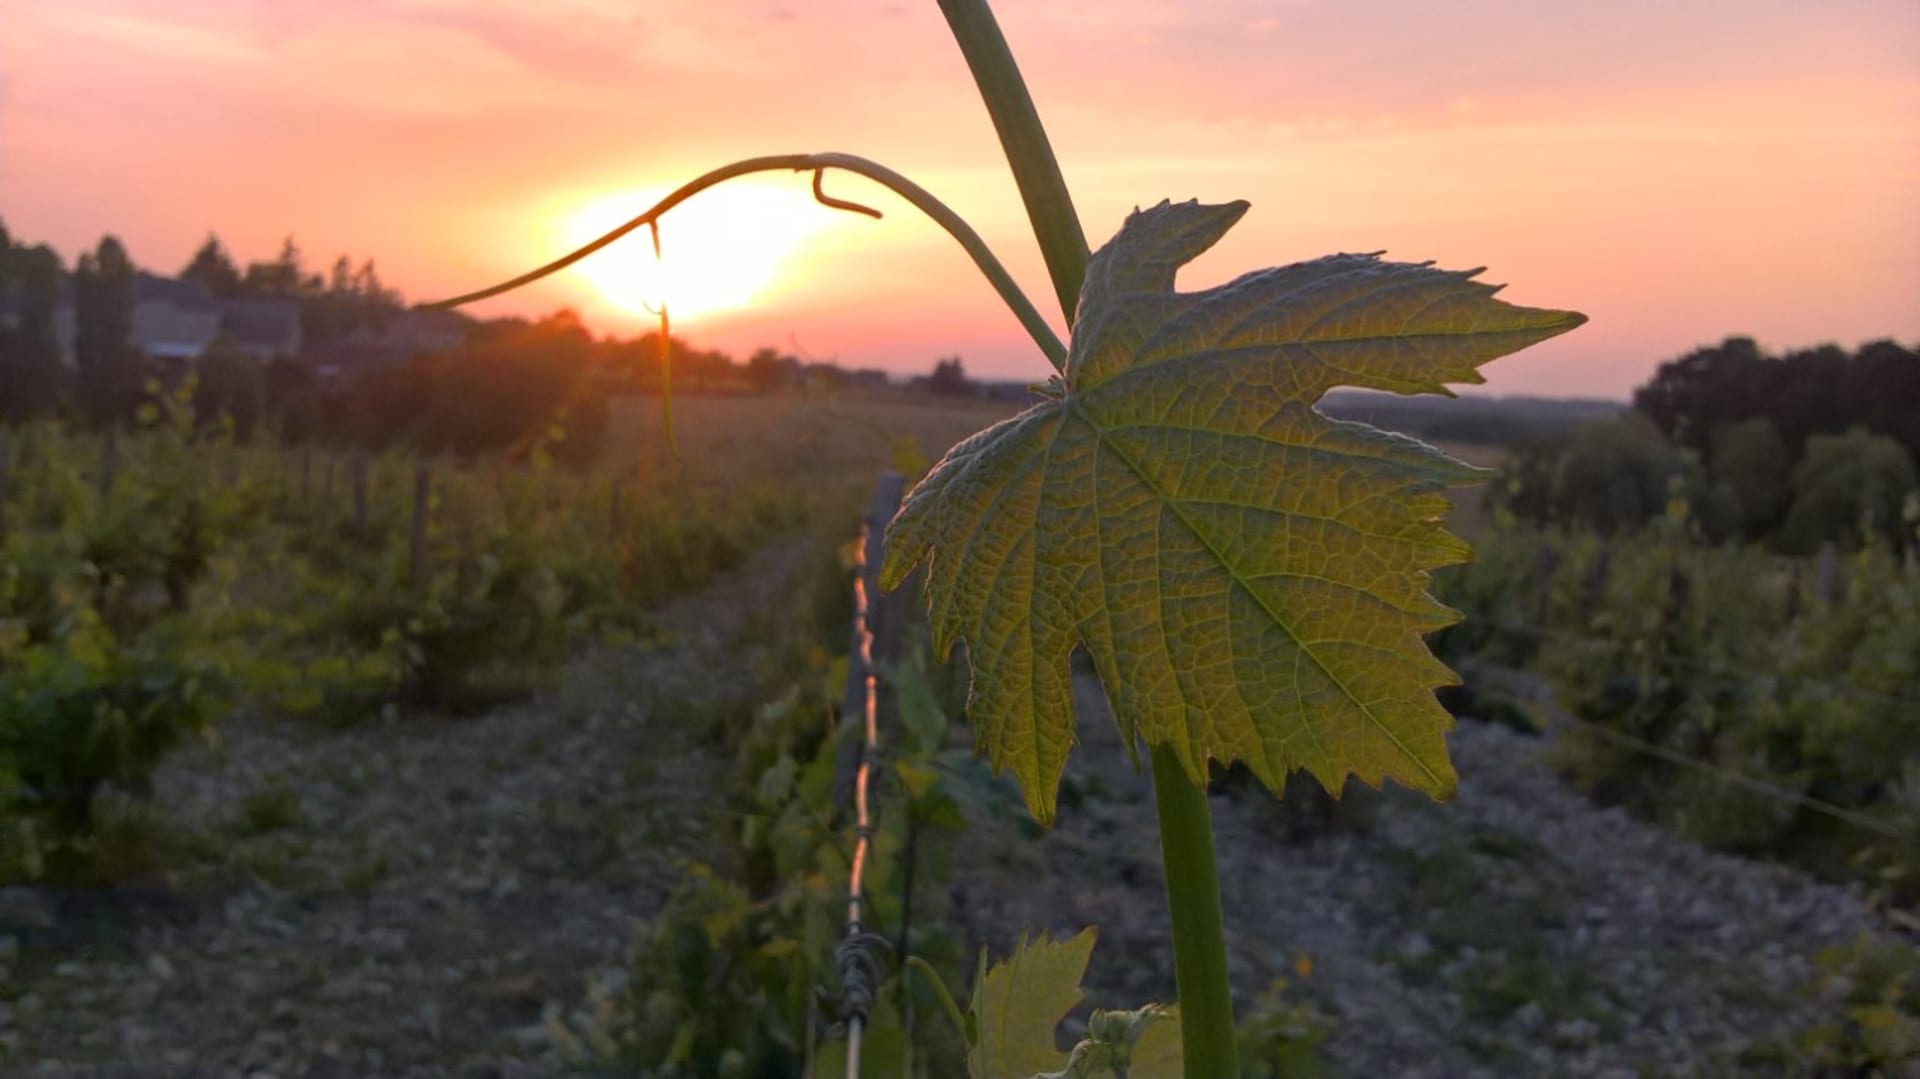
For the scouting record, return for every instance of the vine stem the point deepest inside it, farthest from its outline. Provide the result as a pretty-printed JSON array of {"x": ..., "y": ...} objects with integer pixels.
[
  {"x": 1208, "y": 1044},
  {"x": 1193, "y": 901},
  {"x": 921, "y": 199},
  {"x": 1035, "y": 170}
]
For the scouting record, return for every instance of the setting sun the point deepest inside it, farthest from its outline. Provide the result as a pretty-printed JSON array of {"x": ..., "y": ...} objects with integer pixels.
[{"x": 720, "y": 251}]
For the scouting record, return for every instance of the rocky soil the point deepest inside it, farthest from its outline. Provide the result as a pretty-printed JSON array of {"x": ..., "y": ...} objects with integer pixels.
[
  {"x": 409, "y": 899},
  {"x": 397, "y": 900},
  {"x": 1518, "y": 930}
]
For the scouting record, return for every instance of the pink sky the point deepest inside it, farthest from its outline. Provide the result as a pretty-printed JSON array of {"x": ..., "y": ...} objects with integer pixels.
[{"x": 1680, "y": 170}]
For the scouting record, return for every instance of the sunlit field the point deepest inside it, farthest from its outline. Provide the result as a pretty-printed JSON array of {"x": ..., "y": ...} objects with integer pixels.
[{"x": 728, "y": 438}]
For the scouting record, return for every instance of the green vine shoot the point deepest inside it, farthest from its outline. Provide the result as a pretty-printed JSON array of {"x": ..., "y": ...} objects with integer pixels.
[{"x": 1248, "y": 576}]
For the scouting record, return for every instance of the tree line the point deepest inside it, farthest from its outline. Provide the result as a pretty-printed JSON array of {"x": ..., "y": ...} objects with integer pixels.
[
  {"x": 1794, "y": 451},
  {"x": 108, "y": 373},
  {"x": 511, "y": 383}
]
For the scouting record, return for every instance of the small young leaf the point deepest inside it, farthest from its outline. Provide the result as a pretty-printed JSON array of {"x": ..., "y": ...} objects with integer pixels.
[
  {"x": 1017, "y": 1004},
  {"x": 1248, "y": 575}
]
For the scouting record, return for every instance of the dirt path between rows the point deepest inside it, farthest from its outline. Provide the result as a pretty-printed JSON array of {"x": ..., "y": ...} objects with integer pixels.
[{"x": 395, "y": 900}]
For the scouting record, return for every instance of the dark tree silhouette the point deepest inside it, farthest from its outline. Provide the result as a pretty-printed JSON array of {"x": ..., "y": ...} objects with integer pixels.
[
  {"x": 1824, "y": 390},
  {"x": 30, "y": 371},
  {"x": 109, "y": 370},
  {"x": 768, "y": 370},
  {"x": 213, "y": 267},
  {"x": 950, "y": 379}
]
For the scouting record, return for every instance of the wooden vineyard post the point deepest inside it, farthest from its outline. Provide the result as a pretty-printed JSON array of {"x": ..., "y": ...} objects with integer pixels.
[{"x": 422, "y": 510}]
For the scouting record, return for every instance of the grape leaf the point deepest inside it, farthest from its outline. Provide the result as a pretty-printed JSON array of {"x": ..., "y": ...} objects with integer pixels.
[
  {"x": 1017, "y": 1004},
  {"x": 1247, "y": 575}
]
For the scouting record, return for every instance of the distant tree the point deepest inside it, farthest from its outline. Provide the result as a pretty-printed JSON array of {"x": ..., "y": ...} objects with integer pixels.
[
  {"x": 1884, "y": 380},
  {"x": 284, "y": 278},
  {"x": 366, "y": 284},
  {"x": 30, "y": 371},
  {"x": 1848, "y": 489},
  {"x": 1824, "y": 390},
  {"x": 108, "y": 368},
  {"x": 1707, "y": 388},
  {"x": 826, "y": 376},
  {"x": 1612, "y": 476},
  {"x": 705, "y": 368},
  {"x": 213, "y": 267},
  {"x": 950, "y": 379},
  {"x": 10, "y": 376},
  {"x": 768, "y": 370},
  {"x": 340, "y": 282},
  {"x": 502, "y": 393},
  {"x": 1751, "y": 474}
]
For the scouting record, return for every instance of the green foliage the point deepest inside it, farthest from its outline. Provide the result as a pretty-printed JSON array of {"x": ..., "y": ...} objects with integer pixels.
[
  {"x": 83, "y": 711},
  {"x": 1181, "y": 504},
  {"x": 1877, "y": 988},
  {"x": 152, "y": 579},
  {"x": 1745, "y": 663},
  {"x": 725, "y": 978},
  {"x": 1818, "y": 446},
  {"x": 229, "y": 384},
  {"x": 271, "y": 809},
  {"x": 1610, "y": 477},
  {"x": 1849, "y": 489},
  {"x": 1281, "y": 1034},
  {"x": 1018, "y": 1003},
  {"x": 1752, "y": 470},
  {"x": 717, "y": 986}
]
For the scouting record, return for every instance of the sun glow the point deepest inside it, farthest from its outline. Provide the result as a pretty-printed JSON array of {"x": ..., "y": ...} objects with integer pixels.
[{"x": 721, "y": 250}]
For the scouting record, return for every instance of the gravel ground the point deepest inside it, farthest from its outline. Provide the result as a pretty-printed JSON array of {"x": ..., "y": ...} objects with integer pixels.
[
  {"x": 397, "y": 900},
  {"x": 407, "y": 900},
  {"x": 1518, "y": 930}
]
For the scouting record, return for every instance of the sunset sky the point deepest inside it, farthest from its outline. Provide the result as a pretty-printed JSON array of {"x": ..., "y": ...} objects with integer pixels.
[{"x": 1680, "y": 170}]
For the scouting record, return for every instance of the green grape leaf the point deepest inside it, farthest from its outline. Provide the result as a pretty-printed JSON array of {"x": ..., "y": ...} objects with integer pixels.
[
  {"x": 1156, "y": 1053},
  {"x": 1017, "y": 1004},
  {"x": 1248, "y": 576}
]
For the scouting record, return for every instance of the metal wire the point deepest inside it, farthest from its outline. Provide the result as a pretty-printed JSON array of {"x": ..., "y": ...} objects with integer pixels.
[{"x": 856, "y": 963}]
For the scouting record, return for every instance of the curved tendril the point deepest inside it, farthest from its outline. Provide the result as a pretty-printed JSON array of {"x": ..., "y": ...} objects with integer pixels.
[
  {"x": 820, "y": 196},
  {"x": 963, "y": 233}
]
